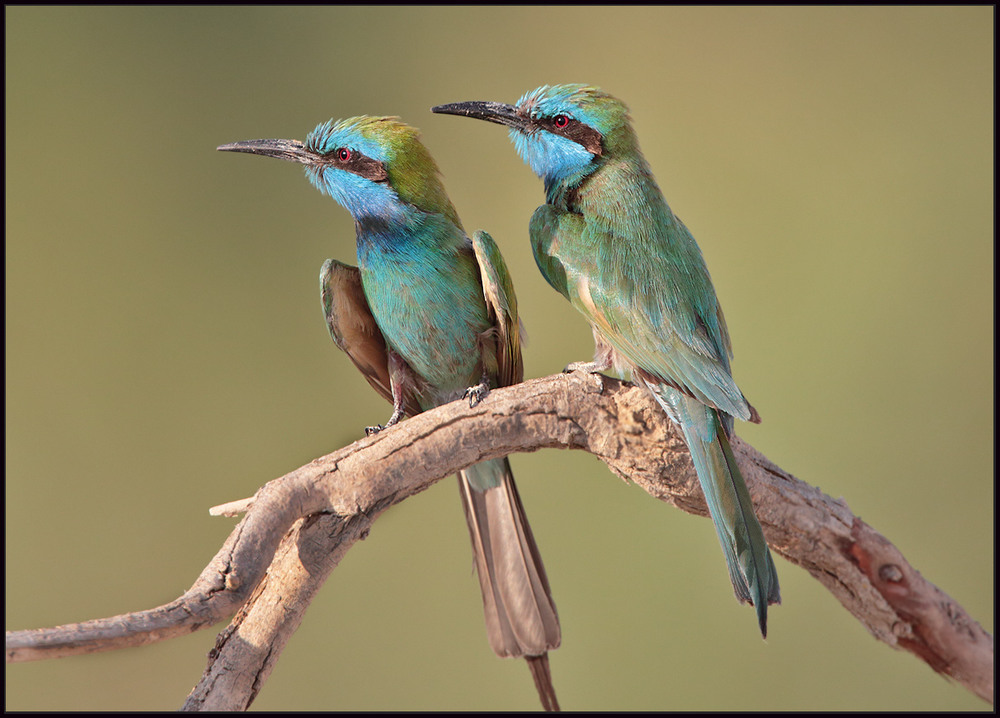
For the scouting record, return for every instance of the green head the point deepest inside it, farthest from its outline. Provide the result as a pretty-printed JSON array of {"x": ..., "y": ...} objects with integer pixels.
[
  {"x": 564, "y": 132},
  {"x": 373, "y": 166}
]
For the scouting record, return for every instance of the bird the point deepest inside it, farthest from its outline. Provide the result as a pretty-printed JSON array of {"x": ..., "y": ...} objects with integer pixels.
[
  {"x": 429, "y": 316},
  {"x": 607, "y": 240}
]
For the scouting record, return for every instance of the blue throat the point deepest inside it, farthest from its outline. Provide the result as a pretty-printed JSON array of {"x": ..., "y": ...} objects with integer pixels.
[{"x": 561, "y": 163}]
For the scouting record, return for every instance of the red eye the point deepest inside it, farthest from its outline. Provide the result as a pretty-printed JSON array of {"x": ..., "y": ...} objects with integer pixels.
[
  {"x": 560, "y": 121},
  {"x": 343, "y": 154}
]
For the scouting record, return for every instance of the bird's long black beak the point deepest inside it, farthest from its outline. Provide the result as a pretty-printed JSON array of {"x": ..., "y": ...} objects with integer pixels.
[
  {"x": 490, "y": 111},
  {"x": 291, "y": 150}
]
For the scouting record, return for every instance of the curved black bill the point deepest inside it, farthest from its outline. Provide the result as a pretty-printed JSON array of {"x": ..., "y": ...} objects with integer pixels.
[
  {"x": 490, "y": 111},
  {"x": 291, "y": 150}
]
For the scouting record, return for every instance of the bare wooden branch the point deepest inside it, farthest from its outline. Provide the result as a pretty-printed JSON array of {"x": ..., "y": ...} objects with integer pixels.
[
  {"x": 331, "y": 503},
  {"x": 231, "y": 508}
]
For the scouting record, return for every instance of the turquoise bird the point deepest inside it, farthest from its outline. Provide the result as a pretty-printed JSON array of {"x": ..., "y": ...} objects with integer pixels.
[
  {"x": 607, "y": 241},
  {"x": 429, "y": 316}
]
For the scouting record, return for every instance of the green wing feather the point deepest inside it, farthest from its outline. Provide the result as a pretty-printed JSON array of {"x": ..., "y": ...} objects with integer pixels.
[
  {"x": 637, "y": 301},
  {"x": 498, "y": 289}
]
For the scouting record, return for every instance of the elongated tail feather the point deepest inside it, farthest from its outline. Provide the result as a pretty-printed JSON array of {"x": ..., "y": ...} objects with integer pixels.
[
  {"x": 539, "y": 666},
  {"x": 521, "y": 617},
  {"x": 751, "y": 568}
]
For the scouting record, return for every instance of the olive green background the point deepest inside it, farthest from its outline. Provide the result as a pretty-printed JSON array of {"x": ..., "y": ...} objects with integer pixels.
[{"x": 166, "y": 352}]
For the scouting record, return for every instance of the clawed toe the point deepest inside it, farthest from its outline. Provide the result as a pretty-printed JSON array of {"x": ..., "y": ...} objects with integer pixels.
[
  {"x": 591, "y": 367},
  {"x": 476, "y": 394}
]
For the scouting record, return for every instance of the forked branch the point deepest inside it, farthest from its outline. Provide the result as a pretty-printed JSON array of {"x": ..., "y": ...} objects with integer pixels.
[{"x": 298, "y": 527}]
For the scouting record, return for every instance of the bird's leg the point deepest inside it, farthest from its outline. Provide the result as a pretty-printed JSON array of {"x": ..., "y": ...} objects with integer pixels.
[
  {"x": 477, "y": 393},
  {"x": 398, "y": 371},
  {"x": 602, "y": 358},
  {"x": 397, "y": 414}
]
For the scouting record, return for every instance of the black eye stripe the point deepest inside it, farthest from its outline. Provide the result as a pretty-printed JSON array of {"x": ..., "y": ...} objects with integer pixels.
[
  {"x": 584, "y": 135},
  {"x": 358, "y": 163}
]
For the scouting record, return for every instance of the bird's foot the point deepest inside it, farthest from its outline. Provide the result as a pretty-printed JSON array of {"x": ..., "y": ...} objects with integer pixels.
[
  {"x": 477, "y": 393},
  {"x": 393, "y": 420},
  {"x": 591, "y": 367}
]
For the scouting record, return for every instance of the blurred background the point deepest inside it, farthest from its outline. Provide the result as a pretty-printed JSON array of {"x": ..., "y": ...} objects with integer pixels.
[{"x": 166, "y": 351}]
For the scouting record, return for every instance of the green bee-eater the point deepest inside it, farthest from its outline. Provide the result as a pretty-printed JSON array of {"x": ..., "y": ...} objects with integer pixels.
[
  {"x": 429, "y": 316},
  {"x": 607, "y": 241}
]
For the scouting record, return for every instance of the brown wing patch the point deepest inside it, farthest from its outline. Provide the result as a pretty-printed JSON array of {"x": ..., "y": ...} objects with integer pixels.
[{"x": 354, "y": 330}]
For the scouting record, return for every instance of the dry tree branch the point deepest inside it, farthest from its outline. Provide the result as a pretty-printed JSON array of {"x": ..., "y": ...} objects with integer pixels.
[{"x": 267, "y": 574}]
